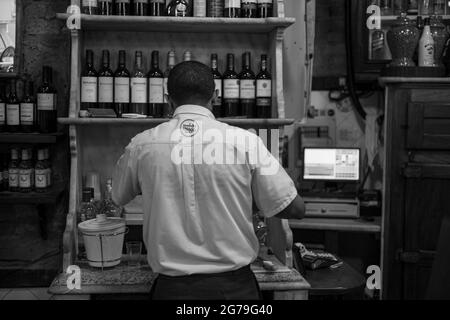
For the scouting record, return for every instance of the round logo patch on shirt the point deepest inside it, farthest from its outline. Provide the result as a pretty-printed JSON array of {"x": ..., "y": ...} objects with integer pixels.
[{"x": 189, "y": 128}]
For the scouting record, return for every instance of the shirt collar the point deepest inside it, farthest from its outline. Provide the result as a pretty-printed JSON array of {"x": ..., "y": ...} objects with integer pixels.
[{"x": 193, "y": 109}]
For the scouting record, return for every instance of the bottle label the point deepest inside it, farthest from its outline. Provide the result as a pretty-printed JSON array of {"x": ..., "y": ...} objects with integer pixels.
[
  {"x": 139, "y": 90},
  {"x": 232, "y": 4},
  {"x": 12, "y": 115},
  {"x": 156, "y": 90},
  {"x": 140, "y": 1},
  {"x": 122, "y": 1},
  {"x": 89, "y": 3},
  {"x": 199, "y": 8},
  {"x": 46, "y": 101},
  {"x": 105, "y": 89},
  {"x": 89, "y": 89},
  {"x": 265, "y": 1},
  {"x": 249, "y": 4},
  {"x": 27, "y": 113},
  {"x": 231, "y": 89},
  {"x": 26, "y": 176},
  {"x": 158, "y": 1},
  {"x": 41, "y": 179},
  {"x": 426, "y": 55},
  {"x": 2, "y": 113},
  {"x": 248, "y": 89},
  {"x": 166, "y": 89},
  {"x": 263, "y": 102},
  {"x": 218, "y": 100},
  {"x": 122, "y": 90},
  {"x": 13, "y": 178},
  {"x": 263, "y": 88}
]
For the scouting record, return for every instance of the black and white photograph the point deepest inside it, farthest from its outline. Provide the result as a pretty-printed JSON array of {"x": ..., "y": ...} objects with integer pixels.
[{"x": 225, "y": 156}]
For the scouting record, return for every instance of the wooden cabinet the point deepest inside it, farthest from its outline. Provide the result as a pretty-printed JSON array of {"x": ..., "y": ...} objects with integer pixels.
[{"x": 417, "y": 183}]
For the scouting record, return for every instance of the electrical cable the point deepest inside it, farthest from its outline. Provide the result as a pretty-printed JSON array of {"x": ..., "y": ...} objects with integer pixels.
[{"x": 349, "y": 57}]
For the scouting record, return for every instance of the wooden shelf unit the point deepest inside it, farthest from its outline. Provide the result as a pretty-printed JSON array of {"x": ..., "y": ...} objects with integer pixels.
[
  {"x": 33, "y": 198},
  {"x": 96, "y": 144},
  {"x": 29, "y": 138}
]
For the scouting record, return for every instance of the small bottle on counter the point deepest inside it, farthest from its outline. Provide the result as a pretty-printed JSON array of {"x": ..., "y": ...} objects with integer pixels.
[
  {"x": 26, "y": 171},
  {"x": 111, "y": 209},
  {"x": 426, "y": 46},
  {"x": 13, "y": 171}
]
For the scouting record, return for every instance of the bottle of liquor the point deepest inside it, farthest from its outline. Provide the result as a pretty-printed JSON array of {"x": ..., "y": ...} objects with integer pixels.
[
  {"x": 89, "y": 6},
  {"x": 426, "y": 46},
  {"x": 157, "y": 8},
  {"x": 167, "y": 111},
  {"x": 248, "y": 9},
  {"x": 122, "y": 7},
  {"x": 139, "y": 100},
  {"x": 199, "y": 8},
  {"x": 264, "y": 91},
  {"x": 140, "y": 7},
  {"x": 46, "y": 103},
  {"x": 28, "y": 109},
  {"x": 122, "y": 86},
  {"x": 215, "y": 8},
  {"x": 232, "y": 9},
  {"x": 156, "y": 88},
  {"x": 217, "y": 103},
  {"x": 2, "y": 110},
  {"x": 40, "y": 173},
  {"x": 247, "y": 88},
  {"x": 110, "y": 208},
  {"x": 105, "y": 84},
  {"x": 26, "y": 171},
  {"x": 265, "y": 8},
  {"x": 48, "y": 165},
  {"x": 13, "y": 171},
  {"x": 187, "y": 56},
  {"x": 180, "y": 8},
  {"x": 89, "y": 80},
  {"x": 13, "y": 109},
  {"x": 105, "y": 7},
  {"x": 230, "y": 89}
]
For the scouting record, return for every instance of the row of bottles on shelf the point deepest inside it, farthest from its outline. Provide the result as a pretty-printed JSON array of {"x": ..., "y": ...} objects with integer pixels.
[
  {"x": 92, "y": 204},
  {"x": 180, "y": 8},
  {"x": 24, "y": 172},
  {"x": 141, "y": 94},
  {"x": 30, "y": 113}
]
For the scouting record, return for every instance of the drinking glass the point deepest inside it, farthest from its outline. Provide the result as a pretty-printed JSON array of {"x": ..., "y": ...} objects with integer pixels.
[{"x": 134, "y": 251}]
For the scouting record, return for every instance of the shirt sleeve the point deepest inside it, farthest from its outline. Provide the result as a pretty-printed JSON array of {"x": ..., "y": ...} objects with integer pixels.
[
  {"x": 126, "y": 184},
  {"x": 273, "y": 189}
]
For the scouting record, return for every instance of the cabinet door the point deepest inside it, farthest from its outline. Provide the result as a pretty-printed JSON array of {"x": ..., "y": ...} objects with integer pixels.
[
  {"x": 428, "y": 126},
  {"x": 427, "y": 202}
]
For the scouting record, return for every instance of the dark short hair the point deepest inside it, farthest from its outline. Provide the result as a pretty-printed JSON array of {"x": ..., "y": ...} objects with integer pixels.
[{"x": 191, "y": 82}]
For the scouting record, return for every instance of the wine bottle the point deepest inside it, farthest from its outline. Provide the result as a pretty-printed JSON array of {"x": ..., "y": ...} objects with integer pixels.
[
  {"x": 139, "y": 99},
  {"x": 123, "y": 7},
  {"x": 46, "y": 103},
  {"x": 426, "y": 46},
  {"x": 232, "y": 9},
  {"x": 106, "y": 84},
  {"x": 157, "y": 8},
  {"x": 13, "y": 171},
  {"x": 28, "y": 109},
  {"x": 13, "y": 109},
  {"x": 40, "y": 173},
  {"x": 180, "y": 8},
  {"x": 105, "y": 7},
  {"x": 2, "y": 110},
  {"x": 156, "y": 88},
  {"x": 230, "y": 89},
  {"x": 199, "y": 8},
  {"x": 122, "y": 86},
  {"x": 264, "y": 91},
  {"x": 217, "y": 103},
  {"x": 247, "y": 88},
  {"x": 167, "y": 112},
  {"x": 248, "y": 9},
  {"x": 265, "y": 8},
  {"x": 26, "y": 172},
  {"x": 140, "y": 7},
  {"x": 89, "y": 83},
  {"x": 215, "y": 8},
  {"x": 89, "y": 7}
]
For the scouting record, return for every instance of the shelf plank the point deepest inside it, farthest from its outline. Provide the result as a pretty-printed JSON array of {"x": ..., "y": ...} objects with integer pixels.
[
  {"x": 250, "y": 123},
  {"x": 8, "y": 75},
  {"x": 184, "y": 25},
  {"x": 383, "y": 81},
  {"x": 31, "y": 138},
  {"x": 344, "y": 225},
  {"x": 33, "y": 198}
]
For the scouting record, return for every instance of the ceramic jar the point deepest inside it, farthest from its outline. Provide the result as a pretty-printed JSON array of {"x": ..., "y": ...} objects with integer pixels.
[{"x": 403, "y": 38}]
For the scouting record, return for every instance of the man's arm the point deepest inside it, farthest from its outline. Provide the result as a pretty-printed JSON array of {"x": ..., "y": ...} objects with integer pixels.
[
  {"x": 296, "y": 210},
  {"x": 125, "y": 180}
]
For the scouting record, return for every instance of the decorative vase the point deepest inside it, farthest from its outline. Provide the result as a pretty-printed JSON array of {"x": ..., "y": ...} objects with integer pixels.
[
  {"x": 403, "y": 38},
  {"x": 440, "y": 36}
]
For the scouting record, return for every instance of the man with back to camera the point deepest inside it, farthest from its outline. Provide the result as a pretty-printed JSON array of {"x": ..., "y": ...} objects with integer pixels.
[{"x": 198, "y": 227}]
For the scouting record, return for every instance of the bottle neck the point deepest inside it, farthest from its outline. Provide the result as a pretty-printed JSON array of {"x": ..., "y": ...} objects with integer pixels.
[
  {"x": 214, "y": 64},
  {"x": 138, "y": 62},
  {"x": 155, "y": 60},
  {"x": 230, "y": 64},
  {"x": 246, "y": 62},
  {"x": 263, "y": 65},
  {"x": 122, "y": 59}
]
